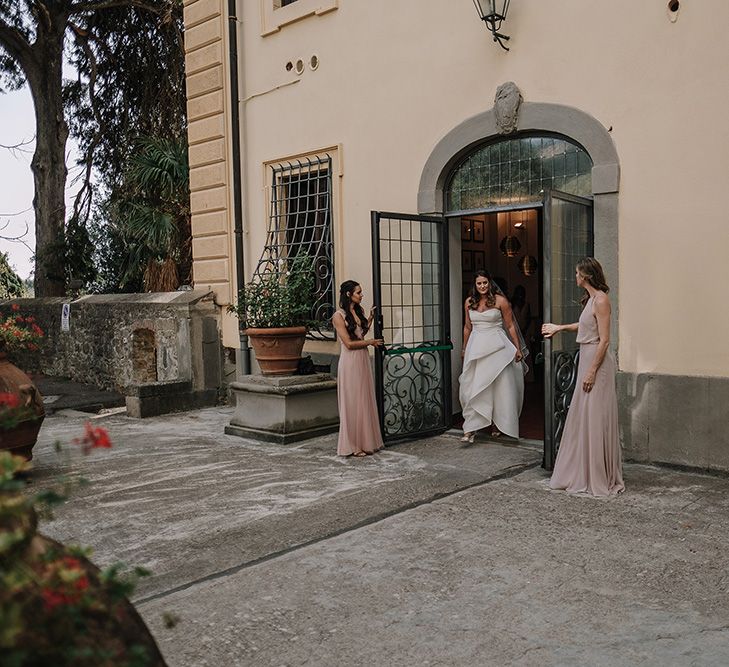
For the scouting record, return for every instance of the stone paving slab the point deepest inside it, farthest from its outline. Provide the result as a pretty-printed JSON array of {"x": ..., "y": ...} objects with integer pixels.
[
  {"x": 179, "y": 497},
  {"x": 430, "y": 553},
  {"x": 505, "y": 573},
  {"x": 63, "y": 394}
]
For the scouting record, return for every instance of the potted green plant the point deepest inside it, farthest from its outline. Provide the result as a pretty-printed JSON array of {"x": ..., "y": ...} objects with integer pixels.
[
  {"x": 21, "y": 405},
  {"x": 275, "y": 309}
]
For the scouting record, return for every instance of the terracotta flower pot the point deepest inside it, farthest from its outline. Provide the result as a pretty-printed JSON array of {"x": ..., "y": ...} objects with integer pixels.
[
  {"x": 277, "y": 350},
  {"x": 19, "y": 440},
  {"x": 49, "y": 623}
]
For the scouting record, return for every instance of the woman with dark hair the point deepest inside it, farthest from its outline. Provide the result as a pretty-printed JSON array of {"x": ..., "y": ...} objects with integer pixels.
[
  {"x": 359, "y": 426},
  {"x": 589, "y": 461},
  {"x": 492, "y": 382}
]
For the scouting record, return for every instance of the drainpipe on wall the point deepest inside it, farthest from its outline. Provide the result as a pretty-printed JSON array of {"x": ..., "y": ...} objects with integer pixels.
[{"x": 244, "y": 364}]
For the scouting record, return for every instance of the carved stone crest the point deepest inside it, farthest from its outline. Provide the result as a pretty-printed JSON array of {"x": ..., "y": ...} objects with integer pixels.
[{"x": 506, "y": 106}]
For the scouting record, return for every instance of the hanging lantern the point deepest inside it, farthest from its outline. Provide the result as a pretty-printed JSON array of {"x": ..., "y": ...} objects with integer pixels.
[
  {"x": 492, "y": 13},
  {"x": 528, "y": 265},
  {"x": 510, "y": 246}
]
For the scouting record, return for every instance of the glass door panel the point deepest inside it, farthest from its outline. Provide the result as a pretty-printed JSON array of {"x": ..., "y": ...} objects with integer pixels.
[{"x": 568, "y": 237}]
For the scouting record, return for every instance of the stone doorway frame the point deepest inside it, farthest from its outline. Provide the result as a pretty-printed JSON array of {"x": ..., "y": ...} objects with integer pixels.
[{"x": 573, "y": 124}]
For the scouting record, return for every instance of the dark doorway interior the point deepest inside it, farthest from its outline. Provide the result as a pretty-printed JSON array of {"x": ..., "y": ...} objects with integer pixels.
[{"x": 509, "y": 246}]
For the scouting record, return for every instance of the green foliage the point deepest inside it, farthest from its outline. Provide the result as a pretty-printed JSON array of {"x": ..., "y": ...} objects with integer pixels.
[
  {"x": 81, "y": 268},
  {"x": 278, "y": 299},
  {"x": 129, "y": 60},
  {"x": 137, "y": 57},
  {"x": 11, "y": 284},
  {"x": 151, "y": 209}
]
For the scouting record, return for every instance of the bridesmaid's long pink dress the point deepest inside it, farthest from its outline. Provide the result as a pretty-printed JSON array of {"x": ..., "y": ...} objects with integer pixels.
[
  {"x": 589, "y": 458},
  {"x": 359, "y": 425}
]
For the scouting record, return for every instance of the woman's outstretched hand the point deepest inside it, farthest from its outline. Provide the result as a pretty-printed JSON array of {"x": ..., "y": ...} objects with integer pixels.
[
  {"x": 549, "y": 329},
  {"x": 376, "y": 342}
]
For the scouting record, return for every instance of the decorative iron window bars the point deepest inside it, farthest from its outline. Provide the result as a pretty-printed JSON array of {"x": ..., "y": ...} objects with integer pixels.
[{"x": 300, "y": 221}]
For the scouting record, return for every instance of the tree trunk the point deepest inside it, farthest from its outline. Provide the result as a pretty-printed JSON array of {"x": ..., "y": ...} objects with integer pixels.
[{"x": 49, "y": 160}]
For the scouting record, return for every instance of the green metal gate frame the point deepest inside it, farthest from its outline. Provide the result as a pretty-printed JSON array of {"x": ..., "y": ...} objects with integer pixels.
[{"x": 413, "y": 382}]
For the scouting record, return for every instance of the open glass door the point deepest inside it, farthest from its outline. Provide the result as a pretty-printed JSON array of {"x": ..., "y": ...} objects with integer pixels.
[
  {"x": 568, "y": 237},
  {"x": 412, "y": 370}
]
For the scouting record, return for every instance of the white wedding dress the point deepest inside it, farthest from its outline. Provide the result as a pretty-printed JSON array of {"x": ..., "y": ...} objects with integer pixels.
[{"x": 492, "y": 383}]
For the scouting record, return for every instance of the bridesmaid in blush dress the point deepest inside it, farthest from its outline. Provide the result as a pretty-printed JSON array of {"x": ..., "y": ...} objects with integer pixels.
[
  {"x": 589, "y": 459},
  {"x": 359, "y": 425}
]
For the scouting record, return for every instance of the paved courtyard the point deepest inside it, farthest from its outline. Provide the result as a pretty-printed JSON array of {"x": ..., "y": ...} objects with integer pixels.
[{"x": 430, "y": 553}]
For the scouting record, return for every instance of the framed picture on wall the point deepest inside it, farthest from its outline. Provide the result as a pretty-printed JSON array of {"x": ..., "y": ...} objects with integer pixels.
[
  {"x": 477, "y": 230},
  {"x": 479, "y": 260},
  {"x": 466, "y": 233},
  {"x": 467, "y": 261}
]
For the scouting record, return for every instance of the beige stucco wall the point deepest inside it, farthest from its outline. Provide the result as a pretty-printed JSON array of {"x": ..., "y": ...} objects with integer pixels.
[
  {"x": 209, "y": 135},
  {"x": 395, "y": 77}
]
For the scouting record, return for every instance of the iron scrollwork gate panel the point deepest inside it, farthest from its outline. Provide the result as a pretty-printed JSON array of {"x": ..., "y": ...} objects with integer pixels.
[
  {"x": 565, "y": 381},
  {"x": 412, "y": 370},
  {"x": 568, "y": 237}
]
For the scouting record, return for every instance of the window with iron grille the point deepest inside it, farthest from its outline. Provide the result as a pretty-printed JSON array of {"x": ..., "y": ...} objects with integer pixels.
[{"x": 300, "y": 222}]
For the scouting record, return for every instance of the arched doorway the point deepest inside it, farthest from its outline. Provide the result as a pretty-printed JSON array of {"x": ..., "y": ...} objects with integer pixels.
[
  {"x": 437, "y": 302},
  {"x": 521, "y": 208},
  {"x": 560, "y": 120}
]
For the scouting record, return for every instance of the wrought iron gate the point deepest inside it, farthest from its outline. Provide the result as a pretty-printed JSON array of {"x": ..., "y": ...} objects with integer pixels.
[
  {"x": 568, "y": 237},
  {"x": 412, "y": 370}
]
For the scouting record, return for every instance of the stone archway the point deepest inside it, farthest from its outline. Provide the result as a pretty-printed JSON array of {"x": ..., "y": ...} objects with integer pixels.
[{"x": 569, "y": 122}]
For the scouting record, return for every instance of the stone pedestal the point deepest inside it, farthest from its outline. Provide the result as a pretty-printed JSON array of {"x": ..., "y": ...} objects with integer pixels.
[{"x": 284, "y": 409}]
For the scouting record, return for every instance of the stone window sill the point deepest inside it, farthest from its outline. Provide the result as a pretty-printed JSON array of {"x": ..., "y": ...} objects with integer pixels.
[{"x": 272, "y": 20}]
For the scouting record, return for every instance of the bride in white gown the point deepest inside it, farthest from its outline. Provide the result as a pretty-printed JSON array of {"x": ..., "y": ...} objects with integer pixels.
[{"x": 492, "y": 381}]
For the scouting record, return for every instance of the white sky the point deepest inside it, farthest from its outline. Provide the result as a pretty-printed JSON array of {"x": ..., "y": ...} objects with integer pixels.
[{"x": 17, "y": 124}]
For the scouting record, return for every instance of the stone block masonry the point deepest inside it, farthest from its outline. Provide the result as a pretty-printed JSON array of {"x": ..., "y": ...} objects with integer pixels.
[{"x": 121, "y": 341}]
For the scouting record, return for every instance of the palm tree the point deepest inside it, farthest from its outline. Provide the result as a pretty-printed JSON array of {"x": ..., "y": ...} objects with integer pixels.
[{"x": 153, "y": 215}]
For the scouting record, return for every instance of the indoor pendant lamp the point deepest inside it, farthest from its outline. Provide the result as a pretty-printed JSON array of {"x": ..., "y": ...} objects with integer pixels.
[
  {"x": 510, "y": 245},
  {"x": 528, "y": 263}
]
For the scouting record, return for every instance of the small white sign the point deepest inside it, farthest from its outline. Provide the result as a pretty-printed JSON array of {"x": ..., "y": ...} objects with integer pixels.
[{"x": 66, "y": 317}]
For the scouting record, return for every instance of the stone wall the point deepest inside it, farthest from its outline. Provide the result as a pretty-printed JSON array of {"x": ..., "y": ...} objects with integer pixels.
[{"x": 117, "y": 341}]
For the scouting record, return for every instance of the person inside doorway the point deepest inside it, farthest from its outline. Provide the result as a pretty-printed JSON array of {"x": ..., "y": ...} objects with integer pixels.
[
  {"x": 522, "y": 311},
  {"x": 492, "y": 382}
]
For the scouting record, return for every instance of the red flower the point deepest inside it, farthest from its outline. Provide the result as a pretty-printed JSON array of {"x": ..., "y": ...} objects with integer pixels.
[
  {"x": 53, "y": 599},
  {"x": 81, "y": 584},
  {"x": 99, "y": 436},
  {"x": 71, "y": 563},
  {"x": 9, "y": 400},
  {"x": 36, "y": 329},
  {"x": 94, "y": 438},
  {"x": 15, "y": 307}
]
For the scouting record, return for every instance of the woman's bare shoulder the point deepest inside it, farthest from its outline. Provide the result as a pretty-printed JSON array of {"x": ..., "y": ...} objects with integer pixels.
[
  {"x": 601, "y": 301},
  {"x": 501, "y": 301}
]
